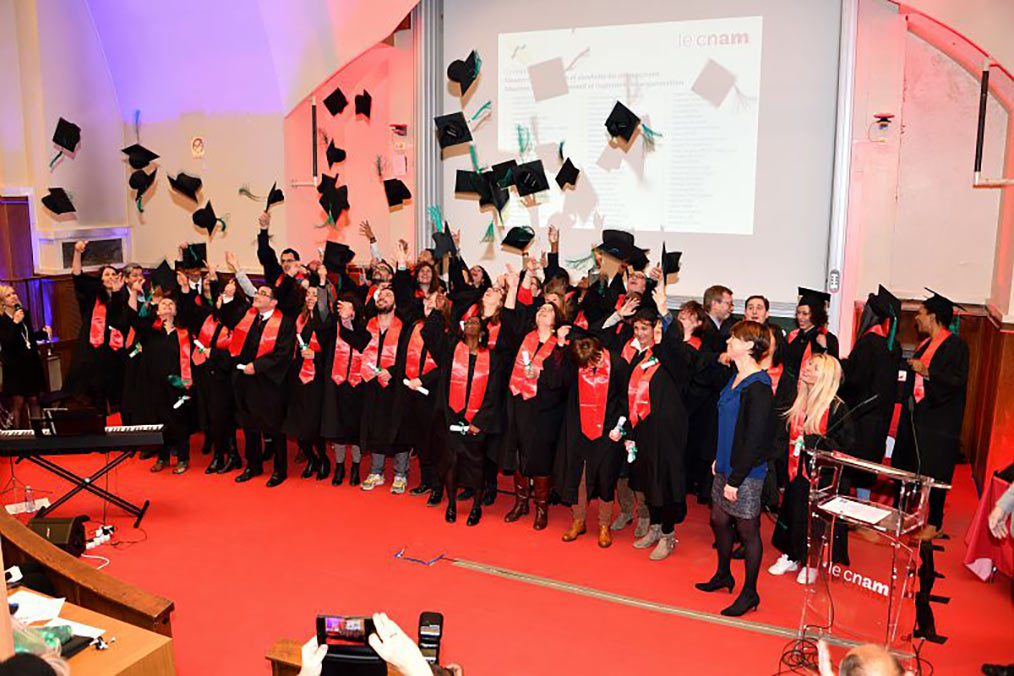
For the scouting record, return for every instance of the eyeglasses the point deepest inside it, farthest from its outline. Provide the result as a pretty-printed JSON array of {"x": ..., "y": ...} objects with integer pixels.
[{"x": 265, "y": 293}]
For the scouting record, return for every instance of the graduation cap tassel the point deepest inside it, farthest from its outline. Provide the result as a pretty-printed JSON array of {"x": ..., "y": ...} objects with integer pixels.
[
  {"x": 488, "y": 106},
  {"x": 891, "y": 334},
  {"x": 490, "y": 234},
  {"x": 508, "y": 178},
  {"x": 140, "y": 208},
  {"x": 53, "y": 161},
  {"x": 580, "y": 263},
  {"x": 246, "y": 192},
  {"x": 436, "y": 216},
  {"x": 478, "y": 65},
  {"x": 177, "y": 382},
  {"x": 137, "y": 125},
  {"x": 524, "y": 139},
  {"x": 559, "y": 150},
  {"x": 475, "y": 159},
  {"x": 650, "y": 135},
  {"x": 380, "y": 166},
  {"x": 955, "y": 324}
]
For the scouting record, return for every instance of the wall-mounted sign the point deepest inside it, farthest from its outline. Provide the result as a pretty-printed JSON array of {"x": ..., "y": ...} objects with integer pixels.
[{"x": 197, "y": 147}]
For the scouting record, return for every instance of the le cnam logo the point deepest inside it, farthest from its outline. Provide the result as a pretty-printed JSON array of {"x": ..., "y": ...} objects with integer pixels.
[{"x": 849, "y": 576}]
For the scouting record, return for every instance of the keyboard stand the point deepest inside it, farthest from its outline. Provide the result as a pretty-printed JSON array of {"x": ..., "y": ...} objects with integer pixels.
[{"x": 88, "y": 484}]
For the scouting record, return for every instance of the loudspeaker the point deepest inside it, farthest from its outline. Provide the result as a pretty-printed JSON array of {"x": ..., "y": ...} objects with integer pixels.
[{"x": 66, "y": 533}]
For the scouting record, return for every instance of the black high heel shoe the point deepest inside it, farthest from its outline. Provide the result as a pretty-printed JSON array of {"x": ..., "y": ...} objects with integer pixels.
[
  {"x": 309, "y": 470},
  {"x": 717, "y": 581},
  {"x": 451, "y": 515},
  {"x": 323, "y": 468},
  {"x": 743, "y": 604},
  {"x": 474, "y": 515},
  {"x": 435, "y": 497}
]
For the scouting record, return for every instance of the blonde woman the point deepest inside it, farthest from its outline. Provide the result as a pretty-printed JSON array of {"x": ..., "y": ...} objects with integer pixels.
[{"x": 816, "y": 419}]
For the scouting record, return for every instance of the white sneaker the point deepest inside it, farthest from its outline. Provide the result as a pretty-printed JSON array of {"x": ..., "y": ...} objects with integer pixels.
[
  {"x": 372, "y": 481},
  {"x": 807, "y": 576},
  {"x": 399, "y": 485},
  {"x": 649, "y": 539},
  {"x": 783, "y": 565}
]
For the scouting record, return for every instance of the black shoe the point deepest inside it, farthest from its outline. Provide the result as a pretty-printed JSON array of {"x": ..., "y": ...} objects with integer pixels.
[
  {"x": 474, "y": 515},
  {"x": 704, "y": 499},
  {"x": 309, "y": 470},
  {"x": 998, "y": 669},
  {"x": 181, "y": 467},
  {"x": 466, "y": 494},
  {"x": 744, "y": 603},
  {"x": 339, "y": 474},
  {"x": 420, "y": 489},
  {"x": 275, "y": 480},
  {"x": 354, "y": 474},
  {"x": 323, "y": 469},
  {"x": 158, "y": 466},
  {"x": 451, "y": 515},
  {"x": 247, "y": 475},
  {"x": 489, "y": 497},
  {"x": 216, "y": 465},
  {"x": 717, "y": 581},
  {"x": 738, "y": 553},
  {"x": 206, "y": 447},
  {"x": 233, "y": 463},
  {"x": 436, "y": 496}
]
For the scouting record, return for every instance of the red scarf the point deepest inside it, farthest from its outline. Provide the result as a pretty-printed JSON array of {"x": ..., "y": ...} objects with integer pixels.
[
  {"x": 308, "y": 370},
  {"x": 581, "y": 320},
  {"x": 415, "y": 350},
  {"x": 388, "y": 354},
  {"x": 470, "y": 312},
  {"x": 808, "y": 351},
  {"x": 695, "y": 342},
  {"x": 371, "y": 293},
  {"x": 184, "y": 339},
  {"x": 494, "y": 335},
  {"x": 207, "y": 335},
  {"x": 879, "y": 329},
  {"x": 268, "y": 336},
  {"x": 519, "y": 384},
  {"x": 919, "y": 391},
  {"x": 775, "y": 373},
  {"x": 593, "y": 392},
  {"x": 629, "y": 351},
  {"x": 97, "y": 329},
  {"x": 639, "y": 389},
  {"x": 795, "y": 433},
  {"x": 459, "y": 380},
  {"x": 348, "y": 364}
]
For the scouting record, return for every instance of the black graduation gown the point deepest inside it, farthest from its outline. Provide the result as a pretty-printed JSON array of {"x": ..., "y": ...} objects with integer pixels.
[
  {"x": 19, "y": 353},
  {"x": 383, "y": 407},
  {"x": 302, "y": 417},
  {"x": 659, "y": 468},
  {"x": 422, "y": 423},
  {"x": 342, "y": 406},
  {"x": 96, "y": 373},
  {"x": 261, "y": 397},
  {"x": 794, "y": 349},
  {"x": 132, "y": 373},
  {"x": 601, "y": 458},
  {"x": 158, "y": 361},
  {"x": 938, "y": 416},
  {"x": 871, "y": 369},
  {"x": 286, "y": 288}
]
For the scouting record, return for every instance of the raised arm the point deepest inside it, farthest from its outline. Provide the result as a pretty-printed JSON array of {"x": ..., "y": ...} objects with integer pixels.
[{"x": 265, "y": 252}]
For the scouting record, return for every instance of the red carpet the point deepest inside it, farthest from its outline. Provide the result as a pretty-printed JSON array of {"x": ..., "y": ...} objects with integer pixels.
[{"x": 246, "y": 565}]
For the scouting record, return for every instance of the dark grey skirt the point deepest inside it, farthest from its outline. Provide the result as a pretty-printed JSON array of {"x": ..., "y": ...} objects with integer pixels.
[{"x": 748, "y": 499}]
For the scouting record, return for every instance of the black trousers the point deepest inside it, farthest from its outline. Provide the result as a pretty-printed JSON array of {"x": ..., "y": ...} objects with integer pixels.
[
  {"x": 271, "y": 444},
  {"x": 664, "y": 515},
  {"x": 180, "y": 447}
]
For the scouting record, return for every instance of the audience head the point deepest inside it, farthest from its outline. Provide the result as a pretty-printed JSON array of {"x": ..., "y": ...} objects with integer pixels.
[
  {"x": 691, "y": 317},
  {"x": 8, "y": 296},
  {"x": 166, "y": 309},
  {"x": 810, "y": 315},
  {"x": 870, "y": 660},
  {"x": 478, "y": 277},
  {"x": 718, "y": 302},
  {"x": 757, "y": 309},
  {"x": 424, "y": 273},
  {"x": 111, "y": 277},
  {"x": 644, "y": 327},
  {"x": 637, "y": 281},
  {"x": 289, "y": 259},
  {"x": 475, "y": 331},
  {"x": 492, "y": 301},
  {"x": 382, "y": 272},
  {"x": 585, "y": 350},
  {"x": 133, "y": 272},
  {"x": 748, "y": 340},
  {"x": 265, "y": 299},
  {"x": 818, "y": 385},
  {"x": 310, "y": 296},
  {"x": 384, "y": 299},
  {"x": 940, "y": 314},
  {"x": 229, "y": 288},
  {"x": 548, "y": 316},
  {"x": 437, "y": 300}
]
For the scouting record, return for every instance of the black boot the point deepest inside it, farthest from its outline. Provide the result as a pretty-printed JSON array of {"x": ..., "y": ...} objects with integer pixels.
[
  {"x": 436, "y": 495},
  {"x": 310, "y": 469},
  {"x": 420, "y": 489},
  {"x": 475, "y": 514},
  {"x": 206, "y": 446},
  {"x": 489, "y": 493},
  {"x": 216, "y": 465},
  {"x": 717, "y": 581},
  {"x": 354, "y": 474},
  {"x": 323, "y": 466},
  {"x": 233, "y": 463},
  {"x": 451, "y": 515},
  {"x": 339, "y": 474},
  {"x": 744, "y": 603}
]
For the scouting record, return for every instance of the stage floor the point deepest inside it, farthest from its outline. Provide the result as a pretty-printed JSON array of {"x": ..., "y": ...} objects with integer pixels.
[{"x": 246, "y": 565}]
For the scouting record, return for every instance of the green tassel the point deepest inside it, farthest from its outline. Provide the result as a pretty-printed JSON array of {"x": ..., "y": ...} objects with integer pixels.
[
  {"x": 137, "y": 125},
  {"x": 140, "y": 208},
  {"x": 580, "y": 263},
  {"x": 955, "y": 326},
  {"x": 891, "y": 335},
  {"x": 486, "y": 106},
  {"x": 436, "y": 217},
  {"x": 53, "y": 161},
  {"x": 524, "y": 139},
  {"x": 490, "y": 234},
  {"x": 177, "y": 382},
  {"x": 559, "y": 150},
  {"x": 225, "y": 226},
  {"x": 650, "y": 135},
  {"x": 478, "y": 65},
  {"x": 475, "y": 159},
  {"x": 379, "y": 161},
  {"x": 245, "y": 192},
  {"x": 507, "y": 179}
]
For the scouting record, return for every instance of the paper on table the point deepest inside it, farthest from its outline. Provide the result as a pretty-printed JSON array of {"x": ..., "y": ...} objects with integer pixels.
[
  {"x": 855, "y": 510},
  {"x": 76, "y": 628},
  {"x": 35, "y": 608}
]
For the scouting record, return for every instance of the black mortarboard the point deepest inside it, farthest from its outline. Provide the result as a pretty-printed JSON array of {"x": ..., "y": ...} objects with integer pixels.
[
  {"x": 396, "y": 192},
  {"x": 336, "y": 101},
  {"x": 275, "y": 196},
  {"x": 578, "y": 332},
  {"x": 941, "y": 306},
  {"x": 187, "y": 185},
  {"x": 889, "y": 302},
  {"x": 638, "y": 259},
  {"x": 670, "y": 262},
  {"x": 467, "y": 182},
  {"x": 335, "y": 201},
  {"x": 205, "y": 218},
  {"x": 334, "y": 154},
  {"x": 139, "y": 156},
  {"x": 443, "y": 245},
  {"x": 141, "y": 181},
  {"x": 363, "y": 103},
  {"x": 619, "y": 244},
  {"x": 452, "y": 129},
  {"x": 531, "y": 178},
  {"x": 812, "y": 298},
  {"x": 568, "y": 174},
  {"x": 337, "y": 255},
  {"x": 327, "y": 184},
  {"x": 57, "y": 201},
  {"x": 622, "y": 122},
  {"x": 518, "y": 237},
  {"x": 505, "y": 173},
  {"x": 490, "y": 191},
  {"x": 464, "y": 72},
  {"x": 164, "y": 277},
  {"x": 195, "y": 256},
  {"x": 67, "y": 135}
]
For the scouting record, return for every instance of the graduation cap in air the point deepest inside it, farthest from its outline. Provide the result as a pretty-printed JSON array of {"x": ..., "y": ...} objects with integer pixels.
[
  {"x": 622, "y": 122},
  {"x": 490, "y": 192},
  {"x": 206, "y": 219},
  {"x": 812, "y": 298},
  {"x": 618, "y": 244},
  {"x": 531, "y": 178},
  {"x": 467, "y": 182},
  {"x": 396, "y": 192},
  {"x": 195, "y": 256},
  {"x": 164, "y": 277},
  {"x": 464, "y": 72},
  {"x": 518, "y": 237},
  {"x": 670, "y": 262},
  {"x": 567, "y": 175},
  {"x": 67, "y": 135},
  {"x": 141, "y": 181},
  {"x": 139, "y": 156},
  {"x": 327, "y": 184},
  {"x": 335, "y": 201},
  {"x": 275, "y": 196},
  {"x": 506, "y": 173},
  {"x": 443, "y": 245},
  {"x": 363, "y": 103},
  {"x": 337, "y": 255},
  {"x": 452, "y": 130},
  {"x": 941, "y": 306},
  {"x": 336, "y": 101},
  {"x": 57, "y": 201},
  {"x": 638, "y": 259},
  {"x": 186, "y": 185},
  {"x": 334, "y": 154}
]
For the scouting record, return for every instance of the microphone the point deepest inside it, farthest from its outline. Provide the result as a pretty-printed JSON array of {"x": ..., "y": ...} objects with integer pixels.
[
  {"x": 915, "y": 437},
  {"x": 848, "y": 414}
]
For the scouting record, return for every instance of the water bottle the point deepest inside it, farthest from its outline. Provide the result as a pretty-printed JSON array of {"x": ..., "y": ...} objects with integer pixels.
[{"x": 29, "y": 500}]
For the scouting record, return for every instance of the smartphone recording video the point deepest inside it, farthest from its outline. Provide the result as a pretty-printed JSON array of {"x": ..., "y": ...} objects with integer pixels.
[{"x": 338, "y": 629}]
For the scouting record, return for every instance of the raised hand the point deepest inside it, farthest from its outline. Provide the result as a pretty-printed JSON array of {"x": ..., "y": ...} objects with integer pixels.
[
  {"x": 231, "y": 261},
  {"x": 264, "y": 220},
  {"x": 366, "y": 231},
  {"x": 629, "y": 307},
  {"x": 80, "y": 246},
  {"x": 554, "y": 235}
]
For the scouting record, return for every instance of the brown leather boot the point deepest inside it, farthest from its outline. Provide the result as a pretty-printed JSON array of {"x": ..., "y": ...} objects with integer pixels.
[
  {"x": 541, "y": 502},
  {"x": 521, "y": 495},
  {"x": 605, "y": 536},
  {"x": 576, "y": 528}
]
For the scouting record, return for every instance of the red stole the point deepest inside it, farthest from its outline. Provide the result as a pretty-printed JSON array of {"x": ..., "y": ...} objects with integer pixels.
[
  {"x": 459, "y": 381},
  {"x": 184, "y": 339},
  {"x": 415, "y": 349},
  {"x": 348, "y": 364},
  {"x": 639, "y": 389},
  {"x": 519, "y": 384},
  {"x": 525, "y": 296},
  {"x": 470, "y": 312},
  {"x": 268, "y": 336},
  {"x": 879, "y": 329},
  {"x": 629, "y": 351},
  {"x": 308, "y": 369},
  {"x": 494, "y": 335},
  {"x": 207, "y": 335},
  {"x": 695, "y": 342},
  {"x": 808, "y": 351},
  {"x": 919, "y": 391},
  {"x": 620, "y": 300},
  {"x": 371, "y": 293},
  {"x": 593, "y": 393},
  {"x": 795, "y": 436},
  {"x": 388, "y": 354},
  {"x": 775, "y": 373},
  {"x": 581, "y": 320},
  {"x": 97, "y": 329}
]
